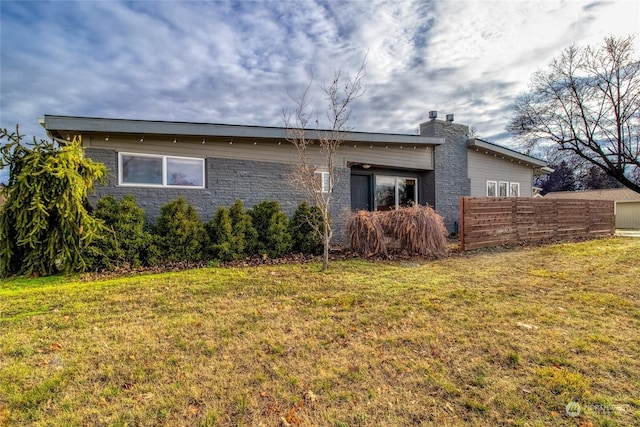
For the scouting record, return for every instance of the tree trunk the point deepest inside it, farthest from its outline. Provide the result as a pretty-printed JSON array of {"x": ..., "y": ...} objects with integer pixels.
[{"x": 325, "y": 241}]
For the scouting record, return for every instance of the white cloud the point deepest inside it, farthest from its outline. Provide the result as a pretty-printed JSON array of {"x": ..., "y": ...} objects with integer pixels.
[
  {"x": 490, "y": 49},
  {"x": 235, "y": 62}
]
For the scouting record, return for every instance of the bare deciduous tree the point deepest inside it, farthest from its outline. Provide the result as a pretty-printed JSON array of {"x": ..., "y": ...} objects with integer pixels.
[
  {"x": 587, "y": 102},
  {"x": 316, "y": 173}
]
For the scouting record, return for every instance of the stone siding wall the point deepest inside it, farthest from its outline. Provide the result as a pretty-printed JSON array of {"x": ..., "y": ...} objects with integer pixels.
[
  {"x": 450, "y": 168},
  {"x": 226, "y": 181}
]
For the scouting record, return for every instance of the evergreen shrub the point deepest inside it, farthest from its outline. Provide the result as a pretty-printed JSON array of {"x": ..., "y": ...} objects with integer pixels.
[
  {"x": 223, "y": 243},
  {"x": 305, "y": 227},
  {"x": 243, "y": 229},
  {"x": 272, "y": 227},
  {"x": 231, "y": 233},
  {"x": 123, "y": 240},
  {"x": 180, "y": 234}
]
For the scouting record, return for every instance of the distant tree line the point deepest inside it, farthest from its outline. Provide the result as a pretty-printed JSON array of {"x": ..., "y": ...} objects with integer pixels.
[{"x": 571, "y": 175}]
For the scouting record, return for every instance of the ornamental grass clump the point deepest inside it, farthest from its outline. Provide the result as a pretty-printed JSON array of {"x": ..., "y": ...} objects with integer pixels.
[
  {"x": 419, "y": 229},
  {"x": 416, "y": 231},
  {"x": 365, "y": 233}
]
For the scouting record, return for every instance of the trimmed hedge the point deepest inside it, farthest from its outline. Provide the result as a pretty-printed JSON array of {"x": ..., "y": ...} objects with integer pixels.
[
  {"x": 180, "y": 236},
  {"x": 180, "y": 233},
  {"x": 305, "y": 227},
  {"x": 272, "y": 227},
  {"x": 123, "y": 240}
]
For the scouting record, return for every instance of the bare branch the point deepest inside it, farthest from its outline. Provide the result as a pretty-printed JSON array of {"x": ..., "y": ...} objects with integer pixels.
[
  {"x": 587, "y": 102},
  {"x": 317, "y": 148}
]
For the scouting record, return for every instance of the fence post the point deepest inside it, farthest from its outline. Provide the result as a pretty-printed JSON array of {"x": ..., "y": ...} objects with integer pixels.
[
  {"x": 515, "y": 217},
  {"x": 461, "y": 236},
  {"x": 555, "y": 226}
]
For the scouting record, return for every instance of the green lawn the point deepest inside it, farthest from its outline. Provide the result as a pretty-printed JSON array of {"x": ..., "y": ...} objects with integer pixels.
[{"x": 493, "y": 338}]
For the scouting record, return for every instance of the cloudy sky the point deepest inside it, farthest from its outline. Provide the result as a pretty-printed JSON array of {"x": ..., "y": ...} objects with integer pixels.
[{"x": 236, "y": 62}]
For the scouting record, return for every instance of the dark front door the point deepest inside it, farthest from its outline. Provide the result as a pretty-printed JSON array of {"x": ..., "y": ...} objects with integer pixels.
[{"x": 361, "y": 194}]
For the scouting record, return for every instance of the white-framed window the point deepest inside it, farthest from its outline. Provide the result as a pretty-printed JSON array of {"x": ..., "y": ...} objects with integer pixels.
[
  {"x": 323, "y": 179},
  {"x": 395, "y": 191},
  {"x": 152, "y": 170},
  {"x": 514, "y": 189},
  {"x": 503, "y": 189},
  {"x": 492, "y": 188}
]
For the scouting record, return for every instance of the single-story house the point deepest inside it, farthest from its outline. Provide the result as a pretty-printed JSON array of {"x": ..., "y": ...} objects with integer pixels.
[
  {"x": 211, "y": 165},
  {"x": 627, "y": 207}
]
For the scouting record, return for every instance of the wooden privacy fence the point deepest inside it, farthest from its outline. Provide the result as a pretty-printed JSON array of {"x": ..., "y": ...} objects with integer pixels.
[{"x": 491, "y": 221}]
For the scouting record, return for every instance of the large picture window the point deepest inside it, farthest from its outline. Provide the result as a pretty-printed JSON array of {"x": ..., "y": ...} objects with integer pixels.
[
  {"x": 393, "y": 192},
  {"x": 162, "y": 171}
]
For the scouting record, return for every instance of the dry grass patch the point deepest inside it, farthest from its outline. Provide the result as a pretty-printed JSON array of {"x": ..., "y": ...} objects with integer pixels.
[{"x": 484, "y": 339}]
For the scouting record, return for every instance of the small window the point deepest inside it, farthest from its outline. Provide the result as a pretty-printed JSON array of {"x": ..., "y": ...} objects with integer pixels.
[
  {"x": 514, "y": 189},
  {"x": 323, "y": 180},
  {"x": 160, "y": 171},
  {"x": 503, "y": 188},
  {"x": 492, "y": 188}
]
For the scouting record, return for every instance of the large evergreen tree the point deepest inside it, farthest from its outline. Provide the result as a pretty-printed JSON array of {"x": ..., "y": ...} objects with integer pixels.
[
  {"x": 44, "y": 222},
  {"x": 562, "y": 179},
  {"x": 594, "y": 178}
]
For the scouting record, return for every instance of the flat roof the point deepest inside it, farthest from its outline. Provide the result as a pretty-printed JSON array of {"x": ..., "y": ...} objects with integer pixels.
[
  {"x": 57, "y": 124},
  {"x": 506, "y": 152}
]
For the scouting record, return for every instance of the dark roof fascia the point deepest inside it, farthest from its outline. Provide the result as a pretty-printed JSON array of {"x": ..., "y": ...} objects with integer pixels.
[
  {"x": 151, "y": 127},
  {"x": 507, "y": 152}
]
